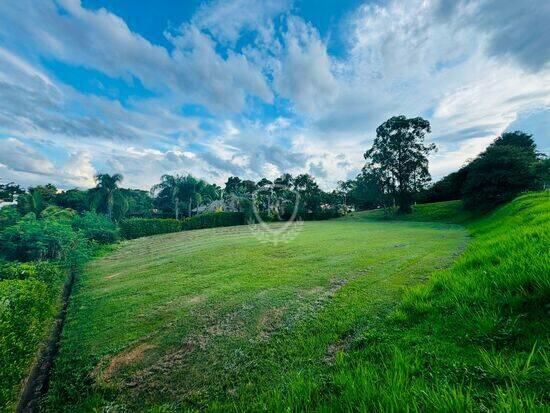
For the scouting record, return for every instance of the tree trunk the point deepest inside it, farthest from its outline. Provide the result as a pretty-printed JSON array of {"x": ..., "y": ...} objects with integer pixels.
[
  {"x": 110, "y": 206},
  {"x": 189, "y": 208},
  {"x": 177, "y": 208}
]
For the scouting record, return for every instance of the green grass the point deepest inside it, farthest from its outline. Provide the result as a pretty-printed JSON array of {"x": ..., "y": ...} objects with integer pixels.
[
  {"x": 451, "y": 212},
  {"x": 213, "y": 319}
]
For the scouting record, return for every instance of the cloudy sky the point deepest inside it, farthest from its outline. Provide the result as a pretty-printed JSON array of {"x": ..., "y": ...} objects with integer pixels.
[{"x": 258, "y": 87}]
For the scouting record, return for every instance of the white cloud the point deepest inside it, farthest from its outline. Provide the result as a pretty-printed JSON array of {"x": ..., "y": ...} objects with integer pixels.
[
  {"x": 78, "y": 170},
  {"x": 100, "y": 40},
  {"x": 227, "y": 19},
  {"x": 19, "y": 157},
  {"x": 428, "y": 57},
  {"x": 304, "y": 72}
]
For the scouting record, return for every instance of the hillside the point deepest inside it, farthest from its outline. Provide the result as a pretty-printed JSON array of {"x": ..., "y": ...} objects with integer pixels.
[
  {"x": 451, "y": 212},
  {"x": 215, "y": 320}
]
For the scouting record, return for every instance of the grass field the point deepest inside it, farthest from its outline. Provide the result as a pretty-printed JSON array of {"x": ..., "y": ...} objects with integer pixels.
[
  {"x": 197, "y": 317},
  {"x": 213, "y": 319}
]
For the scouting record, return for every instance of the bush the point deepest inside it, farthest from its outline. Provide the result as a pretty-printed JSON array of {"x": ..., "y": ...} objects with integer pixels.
[
  {"x": 96, "y": 227},
  {"x": 139, "y": 227},
  {"x": 213, "y": 220},
  {"x": 32, "y": 239},
  {"x": 48, "y": 272},
  {"x": 55, "y": 213},
  {"x": 8, "y": 216},
  {"x": 144, "y": 227},
  {"x": 27, "y": 308}
]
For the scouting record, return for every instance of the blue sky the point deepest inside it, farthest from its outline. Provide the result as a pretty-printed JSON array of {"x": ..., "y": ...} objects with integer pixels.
[{"x": 256, "y": 88}]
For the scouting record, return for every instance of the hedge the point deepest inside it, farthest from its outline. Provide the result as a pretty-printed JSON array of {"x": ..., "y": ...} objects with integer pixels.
[
  {"x": 213, "y": 220},
  {"x": 144, "y": 227}
]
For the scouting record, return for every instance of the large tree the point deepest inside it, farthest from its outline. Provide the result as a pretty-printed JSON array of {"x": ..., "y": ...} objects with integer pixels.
[
  {"x": 506, "y": 168},
  {"x": 399, "y": 157},
  {"x": 310, "y": 193}
]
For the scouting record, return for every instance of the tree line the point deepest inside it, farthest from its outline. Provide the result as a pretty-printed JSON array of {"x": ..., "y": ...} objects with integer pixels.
[
  {"x": 395, "y": 174},
  {"x": 396, "y": 171}
]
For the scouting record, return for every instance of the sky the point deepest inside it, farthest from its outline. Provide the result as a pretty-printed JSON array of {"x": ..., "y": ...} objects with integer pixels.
[{"x": 255, "y": 88}]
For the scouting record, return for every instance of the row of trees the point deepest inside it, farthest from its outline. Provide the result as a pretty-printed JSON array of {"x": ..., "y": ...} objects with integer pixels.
[
  {"x": 175, "y": 196},
  {"x": 395, "y": 174},
  {"x": 396, "y": 170}
]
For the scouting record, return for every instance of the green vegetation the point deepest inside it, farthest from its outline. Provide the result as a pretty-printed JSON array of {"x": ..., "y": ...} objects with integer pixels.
[
  {"x": 212, "y": 319},
  {"x": 52, "y": 246},
  {"x": 144, "y": 227},
  {"x": 29, "y": 302},
  {"x": 201, "y": 315},
  {"x": 451, "y": 212},
  {"x": 218, "y": 320}
]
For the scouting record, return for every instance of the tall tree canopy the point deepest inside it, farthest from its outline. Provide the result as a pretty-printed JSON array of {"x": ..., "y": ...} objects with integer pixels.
[
  {"x": 399, "y": 157},
  {"x": 172, "y": 191},
  {"x": 506, "y": 168}
]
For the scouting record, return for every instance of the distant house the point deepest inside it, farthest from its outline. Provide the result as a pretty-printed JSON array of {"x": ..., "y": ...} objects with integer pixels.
[
  {"x": 3, "y": 204},
  {"x": 214, "y": 206}
]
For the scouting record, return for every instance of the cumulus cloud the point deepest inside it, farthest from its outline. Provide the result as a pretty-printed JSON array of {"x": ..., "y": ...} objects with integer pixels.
[
  {"x": 304, "y": 73},
  {"x": 19, "y": 157},
  {"x": 472, "y": 67},
  {"x": 317, "y": 170},
  {"x": 100, "y": 40},
  {"x": 226, "y": 20},
  {"x": 410, "y": 60},
  {"x": 78, "y": 170}
]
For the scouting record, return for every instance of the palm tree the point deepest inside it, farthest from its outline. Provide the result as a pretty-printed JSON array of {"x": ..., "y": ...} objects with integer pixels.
[
  {"x": 106, "y": 195},
  {"x": 191, "y": 189},
  {"x": 170, "y": 186},
  {"x": 35, "y": 202},
  {"x": 180, "y": 189}
]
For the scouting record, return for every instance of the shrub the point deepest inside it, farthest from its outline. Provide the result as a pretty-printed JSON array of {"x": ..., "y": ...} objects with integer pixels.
[
  {"x": 8, "y": 216},
  {"x": 96, "y": 227},
  {"x": 27, "y": 308},
  {"x": 55, "y": 213},
  {"x": 32, "y": 239},
  {"x": 144, "y": 227},
  {"x": 213, "y": 220},
  {"x": 48, "y": 272}
]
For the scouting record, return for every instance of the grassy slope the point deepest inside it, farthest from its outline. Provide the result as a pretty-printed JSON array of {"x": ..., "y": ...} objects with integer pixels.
[
  {"x": 213, "y": 318},
  {"x": 475, "y": 338},
  {"x": 276, "y": 328},
  {"x": 451, "y": 212}
]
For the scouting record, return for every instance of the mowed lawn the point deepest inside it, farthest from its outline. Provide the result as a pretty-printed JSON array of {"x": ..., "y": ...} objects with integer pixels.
[{"x": 214, "y": 319}]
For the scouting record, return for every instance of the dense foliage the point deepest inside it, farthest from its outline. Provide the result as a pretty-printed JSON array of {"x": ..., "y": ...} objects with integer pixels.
[
  {"x": 509, "y": 166},
  {"x": 144, "y": 227},
  {"x": 29, "y": 300},
  {"x": 96, "y": 227},
  {"x": 398, "y": 158},
  {"x": 33, "y": 239},
  {"x": 213, "y": 220}
]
